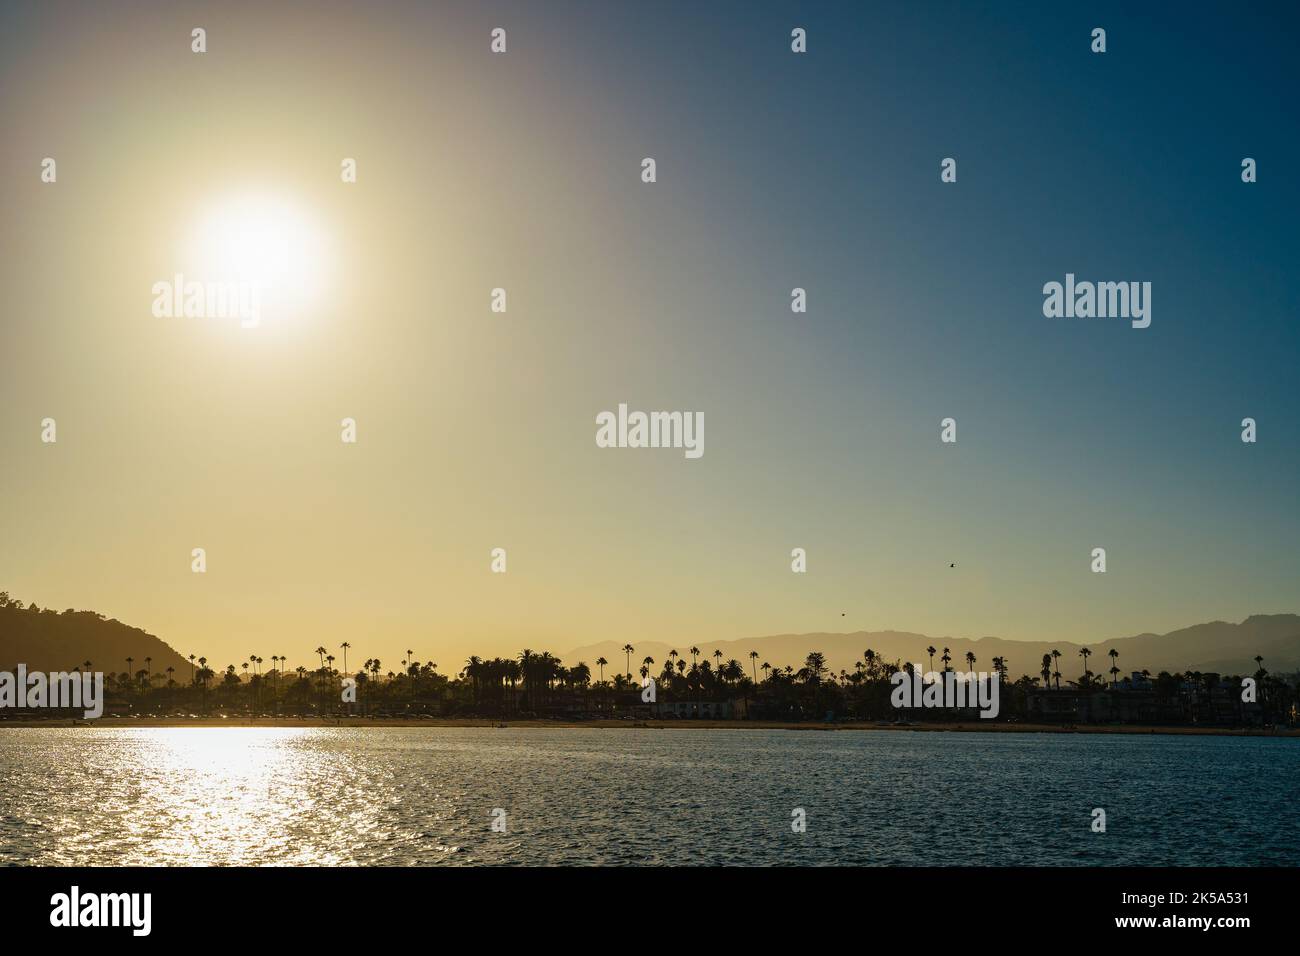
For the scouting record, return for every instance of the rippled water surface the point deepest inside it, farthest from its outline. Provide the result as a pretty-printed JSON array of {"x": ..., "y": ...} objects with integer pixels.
[{"x": 387, "y": 796}]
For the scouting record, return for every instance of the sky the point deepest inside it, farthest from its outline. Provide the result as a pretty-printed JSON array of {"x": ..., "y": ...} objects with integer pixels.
[{"x": 522, "y": 170}]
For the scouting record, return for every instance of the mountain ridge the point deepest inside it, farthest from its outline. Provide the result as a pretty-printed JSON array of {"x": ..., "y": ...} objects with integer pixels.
[
  {"x": 1213, "y": 646},
  {"x": 48, "y": 640}
]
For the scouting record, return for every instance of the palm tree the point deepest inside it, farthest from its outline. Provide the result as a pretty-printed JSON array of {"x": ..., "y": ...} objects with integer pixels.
[
  {"x": 1113, "y": 669},
  {"x": 345, "y": 645},
  {"x": 767, "y": 668},
  {"x": 1047, "y": 670},
  {"x": 717, "y": 657},
  {"x": 1085, "y": 653},
  {"x": 473, "y": 669},
  {"x": 321, "y": 651},
  {"x": 646, "y": 665},
  {"x": 601, "y": 662},
  {"x": 628, "y": 649},
  {"x": 753, "y": 660},
  {"x": 695, "y": 652},
  {"x": 148, "y": 666},
  {"x": 1056, "y": 659},
  {"x": 970, "y": 660},
  {"x": 946, "y": 658},
  {"x": 930, "y": 651}
]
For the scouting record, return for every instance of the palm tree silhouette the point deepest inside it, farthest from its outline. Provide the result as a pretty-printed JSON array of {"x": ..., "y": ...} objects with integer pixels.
[
  {"x": 970, "y": 660},
  {"x": 946, "y": 658},
  {"x": 601, "y": 662},
  {"x": 1085, "y": 653},
  {"x": 753, "y": 659},
  {"x": 1113, "y": 669},
  {"x": 930, "y": 651},
  {"x": 1056, "y": 659},
  {"x": 628, "y": 649},
  {"x": 345, "y": 645}
]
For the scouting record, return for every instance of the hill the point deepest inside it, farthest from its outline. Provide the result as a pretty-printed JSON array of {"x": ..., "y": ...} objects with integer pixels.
[{"x": 47, "y": 640}]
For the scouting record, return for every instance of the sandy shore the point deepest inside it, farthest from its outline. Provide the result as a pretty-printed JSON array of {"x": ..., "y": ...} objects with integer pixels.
[{"x": 968, "y": 727}]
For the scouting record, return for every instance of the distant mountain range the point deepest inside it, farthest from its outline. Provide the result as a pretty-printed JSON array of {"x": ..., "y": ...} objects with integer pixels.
[
  {"x": 1216, "y": 647},
  {"x": 47, "y": 640},
  {"x": 59, "y": 640}
]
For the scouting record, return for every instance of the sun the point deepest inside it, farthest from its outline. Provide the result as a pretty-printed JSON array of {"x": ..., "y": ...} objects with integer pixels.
[{"x": 268, "y": 240}]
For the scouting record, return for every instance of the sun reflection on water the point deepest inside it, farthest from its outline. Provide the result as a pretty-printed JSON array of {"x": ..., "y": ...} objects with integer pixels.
[{"x": 199, "y": 795}]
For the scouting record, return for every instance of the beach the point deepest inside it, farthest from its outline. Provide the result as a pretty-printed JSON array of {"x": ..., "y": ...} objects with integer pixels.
[{"x": 974, "y": 726}]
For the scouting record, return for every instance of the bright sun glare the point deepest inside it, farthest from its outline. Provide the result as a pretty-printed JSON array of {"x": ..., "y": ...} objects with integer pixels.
[{"x": 265, "y": 240}]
